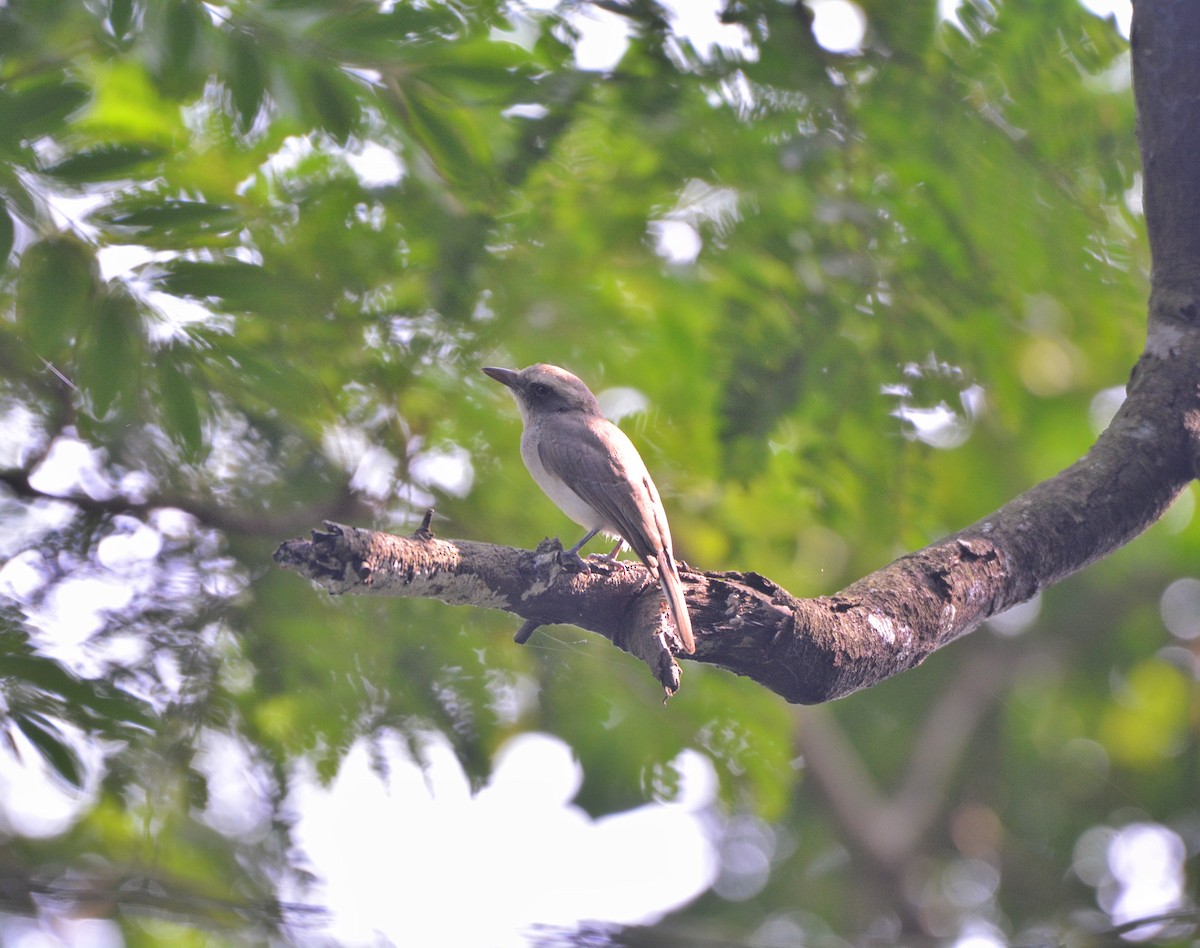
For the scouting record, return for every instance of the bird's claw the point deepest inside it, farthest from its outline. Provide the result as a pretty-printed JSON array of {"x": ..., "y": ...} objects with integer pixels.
[
  {"x": 572, "y": 562},
  {"x": 606, "y": 563}
]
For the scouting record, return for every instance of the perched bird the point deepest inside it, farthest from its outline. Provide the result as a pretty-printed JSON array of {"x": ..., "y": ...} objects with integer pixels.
[{"x": 592, "y": 471}]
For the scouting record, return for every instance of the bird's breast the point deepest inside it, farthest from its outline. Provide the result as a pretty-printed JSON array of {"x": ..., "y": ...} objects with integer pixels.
[{"x": 556, "y": 488}]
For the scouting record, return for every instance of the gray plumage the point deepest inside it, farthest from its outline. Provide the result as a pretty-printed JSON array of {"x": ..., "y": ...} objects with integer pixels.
[{"x": 594, "y": 474}]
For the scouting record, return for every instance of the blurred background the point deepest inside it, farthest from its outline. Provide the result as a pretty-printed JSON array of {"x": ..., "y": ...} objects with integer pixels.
[{"x": 850, "y": 274}]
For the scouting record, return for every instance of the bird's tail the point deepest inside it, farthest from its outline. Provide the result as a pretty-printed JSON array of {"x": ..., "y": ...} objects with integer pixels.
[{"x": 672, "y": 589}]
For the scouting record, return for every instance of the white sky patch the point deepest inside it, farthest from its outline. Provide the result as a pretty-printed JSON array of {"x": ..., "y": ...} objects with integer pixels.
[
  {"x": 1122, "y": 10},
  {"x": 1104, "y": 406},
  {"x": 526, "y": 110},
  {"x": 33, "y": 800},
  {"x": 699, "y": 22},
  {"x": 838, "y": 25},
  {"x": 239, "y": 787},
  {"x": 70, "y": 211},
  {"x": 74, "y": 611},
  {"x": 372, "y": 468},
  {"x": 21, "y": 434},
  {"x": 385, "y": 847},
  {"x": 175, "y": 314},
  {"x": 23, "y": 575},
  {"x": 1146, "y": 863},
  {"x": 603, "y": 38},
  {"x": 947, "y": 12},
  {"x": 375, "y": 166},
  {"x": 1134, "y": 197},
  {"x": 71, "y": 466},
  {"x": 939, "y": 426},
  {"x": 676, "y": 242},
  {"x": 447, "y": 468},
  {"x": 119, "y": 259},
  {"x": 676, "y": 234},
  {"x": 620, "y": 401},
  {"x": 122, "y": 551}
]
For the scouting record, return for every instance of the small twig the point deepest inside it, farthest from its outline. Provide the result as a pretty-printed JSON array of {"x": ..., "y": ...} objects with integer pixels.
[
  {"x": 423, "y": 532},
  {"x": 528, "y": 627}
]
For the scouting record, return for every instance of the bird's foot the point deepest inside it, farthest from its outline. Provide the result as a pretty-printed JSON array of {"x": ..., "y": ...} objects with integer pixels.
[
  {"x": 606, "y": 563},
  {"x": 572, "y": 562}
]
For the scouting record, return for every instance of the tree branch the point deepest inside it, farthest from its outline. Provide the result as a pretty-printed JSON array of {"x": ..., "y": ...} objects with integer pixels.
[
  {"x": 208, "y": 512},
  {"x": 813, "y": 650}
]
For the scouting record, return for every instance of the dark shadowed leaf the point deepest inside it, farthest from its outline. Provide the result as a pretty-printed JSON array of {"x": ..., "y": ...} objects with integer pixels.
[
  {"x": 52, "y": 745},
  {"x": 180, "y": 410},
  {"x": 477, "y": 70},
  {"x": 108, "y": 356},
  {"x": 371, "y": 31},
  {"x": 120, "y": 15},
  {"x": 104, "y": 162},
  {"x": 247, "y": 78},
  {"x": 43, "y": 681},
  {"x": 334, "y": 97},
  {"x": 236, "y": 286},
  {"x": 32, "y": 108},
  {"x": 431, "y": 121},
  {"x": 57, "y": 283},
  {"x": 6, "y": 235},
  {"x": 185, "y": 23},
  {"x": 169, "y": 222}
]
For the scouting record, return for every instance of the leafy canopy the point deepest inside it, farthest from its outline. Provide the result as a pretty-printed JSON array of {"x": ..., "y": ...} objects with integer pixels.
[{"x": 254, "y": 254}]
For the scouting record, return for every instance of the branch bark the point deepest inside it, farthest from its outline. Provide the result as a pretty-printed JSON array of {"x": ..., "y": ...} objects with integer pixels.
[{"x": 814, "y": 650}]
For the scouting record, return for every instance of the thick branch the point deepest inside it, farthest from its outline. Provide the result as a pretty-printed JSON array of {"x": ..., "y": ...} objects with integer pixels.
[
  {"x": 812, "y": 650},
  {"x": 621, "y": 603},
  {"x": 1166, "y": 75}
]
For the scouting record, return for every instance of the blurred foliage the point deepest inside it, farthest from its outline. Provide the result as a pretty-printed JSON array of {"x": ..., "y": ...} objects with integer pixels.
[{"x": 251, "y": 257}]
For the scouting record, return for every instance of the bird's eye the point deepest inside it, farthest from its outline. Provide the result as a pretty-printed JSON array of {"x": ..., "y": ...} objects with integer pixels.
[{"x": 539, "y": 389}]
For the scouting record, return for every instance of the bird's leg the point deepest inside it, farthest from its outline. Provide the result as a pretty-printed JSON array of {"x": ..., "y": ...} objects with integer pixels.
[
  {"x": 570, "y": 559},
  {"x": 606, "y": 561}
]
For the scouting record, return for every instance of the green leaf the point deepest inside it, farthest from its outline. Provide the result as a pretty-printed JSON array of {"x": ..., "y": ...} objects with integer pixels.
[
  {"x": 108, "y": 356},
  {"x": 98, "y": 700},
  {"x": 50, "y": 743},
  {"x": 334, "y": 96},
  {"x": 433, "y": 127},
  {"x": 6, "y": 235},
  {"x": 247, "y": 78},
  {"x": 120, "y": 15},
  {"x": 31, "y": 109},
  {"x": 180, "y": 411},
  {"x": 57, "y": 281},
  {"x": 478, "y": 69},
  {"x": 369, "y": 31},
  {"x": 104, "y": 162},
  {"x": 171, "y": 219},
  {"x": 239, "y": 287},
  {"x": 184, "y": 21}
]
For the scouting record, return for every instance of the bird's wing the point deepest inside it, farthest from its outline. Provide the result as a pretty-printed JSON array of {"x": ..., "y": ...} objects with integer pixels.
[{"x": 603, "y": 467}]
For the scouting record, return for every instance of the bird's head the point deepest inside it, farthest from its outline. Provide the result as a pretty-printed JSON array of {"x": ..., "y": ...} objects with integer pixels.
[{"x": 546, "y": 389}]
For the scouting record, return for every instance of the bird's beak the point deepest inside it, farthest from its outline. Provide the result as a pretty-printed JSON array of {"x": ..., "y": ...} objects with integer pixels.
[{"x": 504, "y": 376}]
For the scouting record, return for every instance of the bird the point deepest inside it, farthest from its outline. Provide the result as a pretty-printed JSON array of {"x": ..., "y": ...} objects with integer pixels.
[{"x": 594, "y": 474}]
